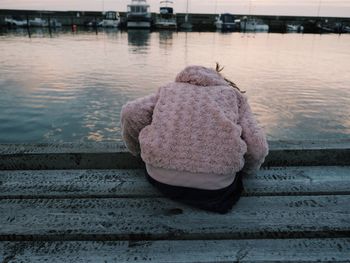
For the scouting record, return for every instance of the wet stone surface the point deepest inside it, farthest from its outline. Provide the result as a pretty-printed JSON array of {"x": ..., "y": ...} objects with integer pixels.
[{"x": 288, "y": 212}]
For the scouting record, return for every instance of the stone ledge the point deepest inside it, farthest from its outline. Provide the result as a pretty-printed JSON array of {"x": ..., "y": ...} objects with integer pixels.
[
  {"x": 119, "y": 147},
  {"x": 116, "y": 156}
]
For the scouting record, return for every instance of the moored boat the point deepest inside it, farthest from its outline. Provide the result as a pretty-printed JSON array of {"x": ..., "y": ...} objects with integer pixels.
[
  {"x": 295, "y": 28},
  {"x": 252, "y": 24},
  {"x": 38, "y": 22},
  {"x": 111, "y": 19},
  {"x": 166, "y": 19},
  {"x": 138, "y": 15},
  {"x": 15, "y": 22},
  {"x": 227, "y": 22},
  {"x": 55, "y": 23}
]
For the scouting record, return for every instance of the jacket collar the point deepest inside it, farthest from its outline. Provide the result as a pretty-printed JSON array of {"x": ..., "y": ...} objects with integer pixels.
[{"x": 200, "y": 76}]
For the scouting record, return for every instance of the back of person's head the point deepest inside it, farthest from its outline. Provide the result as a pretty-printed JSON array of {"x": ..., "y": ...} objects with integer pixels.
[{"x": 218, "y": 69}]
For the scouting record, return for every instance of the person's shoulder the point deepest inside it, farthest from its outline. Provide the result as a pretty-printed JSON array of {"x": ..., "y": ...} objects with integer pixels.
[
  {"x": 231, "y": 91},
  {"x": 241, "y": 98},
  {"x": 170, "y": 86}
]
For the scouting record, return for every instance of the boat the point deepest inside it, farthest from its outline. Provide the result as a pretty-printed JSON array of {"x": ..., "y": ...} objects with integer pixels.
[
  {"x": 166, "y": 18},
  {"x": 252, "y": 24},
  {"x": 339, "y": 28},
  {"x": 310, "y": 26},
  {"x": 227, "y": 22},
  {"x": 14, "y": 22},
  {"x": 186, "y": 25},
  {"x": 324, "y": 27},
  {"x": 55, "y": 23},
  {"x": 292, "y": 28},
  {"x": 38, "y": 22},
  {"x": 138, "y": 15},
  {"x": 111, "y": 19},
  {"x": 295, "y": 28}
]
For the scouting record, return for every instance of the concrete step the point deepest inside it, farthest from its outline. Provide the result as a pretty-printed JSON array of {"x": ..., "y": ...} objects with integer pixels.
[
  {"x": 91, "y": 203},
  {"x": 305, "y": 180},
  {"x": 115, "y": 155},
  {"x": 183, "y": 251},
  {"x": 157, "y": 218}
]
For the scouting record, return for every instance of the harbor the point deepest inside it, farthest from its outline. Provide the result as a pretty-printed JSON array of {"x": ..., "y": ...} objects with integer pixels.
[
  {"x": 174, "y": 131},
  {"x": 199, "y": 22}
]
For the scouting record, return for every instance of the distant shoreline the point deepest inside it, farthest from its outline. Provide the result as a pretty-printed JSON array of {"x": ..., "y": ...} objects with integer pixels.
[
  {"x": 278, "y": 24},
  {"x": 99, "y": 13}
]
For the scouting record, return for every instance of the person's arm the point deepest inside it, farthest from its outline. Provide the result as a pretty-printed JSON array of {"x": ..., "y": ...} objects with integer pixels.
[
  {"x": 134, "y": 116},
  {"x": 254, "y": 137}
]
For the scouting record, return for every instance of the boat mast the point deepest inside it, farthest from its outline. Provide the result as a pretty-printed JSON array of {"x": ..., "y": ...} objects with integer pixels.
[
  {"x": 249, "y": 8},
  {"x": 319, "y": 8},
  {"x": 186, "y": 17}
]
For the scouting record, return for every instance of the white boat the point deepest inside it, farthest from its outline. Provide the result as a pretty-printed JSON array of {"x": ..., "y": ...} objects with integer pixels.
[
  {"x": 166, "y": 19},
  {"x": 38, "y": 22},
  {"x": 295, "y": 28},
  {"x": 138, "y": 15},
  {"x": 112, "y": 19},
  {"x": 186, "y": 25},
  {"x": 250, "y": 24},
  {"x": 55, "y": 23},
  {"x": 292, "y": 28},
  {"x": 14, "y": 22},
  {"x": 227, "y": 22}
]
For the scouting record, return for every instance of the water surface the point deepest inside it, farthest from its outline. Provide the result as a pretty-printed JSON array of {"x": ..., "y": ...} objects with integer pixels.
[{"x": 71, "y": 87}]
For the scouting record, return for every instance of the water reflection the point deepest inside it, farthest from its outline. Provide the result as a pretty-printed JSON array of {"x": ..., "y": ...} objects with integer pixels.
[
  {"x": 108, "y": 31},
  {"x": 72, "y": 87},
  {"x": 138, "y": 37},
  {"x": 165, "y": 39},
  {"x": 36, "y": 32},
  {"x": 100, "y": 119}
]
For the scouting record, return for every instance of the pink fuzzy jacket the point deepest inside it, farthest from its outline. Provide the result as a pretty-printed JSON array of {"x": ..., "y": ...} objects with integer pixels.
[{"x": 197, "y": 131}]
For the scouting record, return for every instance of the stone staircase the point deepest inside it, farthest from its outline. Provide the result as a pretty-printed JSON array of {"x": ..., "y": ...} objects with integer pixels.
[{"x": 91, "y": 203}]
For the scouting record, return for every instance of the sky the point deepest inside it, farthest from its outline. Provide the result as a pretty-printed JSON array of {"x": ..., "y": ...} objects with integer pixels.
[{"x": 338, "y": 8}]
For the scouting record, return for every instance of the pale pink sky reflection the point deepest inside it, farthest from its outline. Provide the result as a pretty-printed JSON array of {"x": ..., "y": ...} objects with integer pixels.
[{"x": 340, "y": 8}]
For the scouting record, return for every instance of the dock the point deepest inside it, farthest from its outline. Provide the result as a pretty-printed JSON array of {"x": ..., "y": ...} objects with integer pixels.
[
  {"x": 91, "y": 203},
  {"x": 201, "y": 22}
]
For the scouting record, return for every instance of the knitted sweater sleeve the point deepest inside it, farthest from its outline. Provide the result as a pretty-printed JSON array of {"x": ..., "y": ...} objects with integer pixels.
[
  {"x": 254, "y": 136},
  {"x": 134, "y": 116}
]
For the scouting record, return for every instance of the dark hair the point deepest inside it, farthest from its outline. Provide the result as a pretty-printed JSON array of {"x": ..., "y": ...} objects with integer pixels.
[{"x": 218, "y": 69}]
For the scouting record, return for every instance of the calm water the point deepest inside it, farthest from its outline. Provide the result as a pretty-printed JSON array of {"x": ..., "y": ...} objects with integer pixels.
[{"x": 71, "y": 87}]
